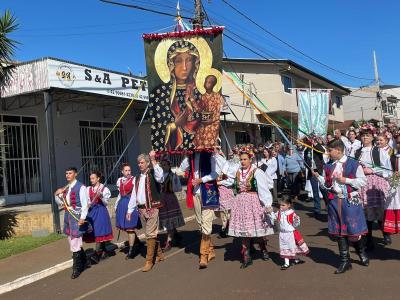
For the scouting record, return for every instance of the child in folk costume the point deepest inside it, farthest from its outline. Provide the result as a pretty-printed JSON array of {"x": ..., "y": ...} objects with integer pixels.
[
  {"x": 291, "y": 243},
  {"x": 377, "y": 167},
  {"x": 253, "y": 198},
  {"x": 99, "y": 217},
  {"x": 342, "y": 179},
  {"x": 74, "y": 199},
  {"x": 125, "y": 185},
  {"x": 146, "y": 197},
  {"x": 171, "y": 216},
  {"x": 391, "y": 224}
]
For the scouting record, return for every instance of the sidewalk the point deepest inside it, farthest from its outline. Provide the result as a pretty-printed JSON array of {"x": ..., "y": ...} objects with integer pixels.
[{"x": 51, "y": 255}]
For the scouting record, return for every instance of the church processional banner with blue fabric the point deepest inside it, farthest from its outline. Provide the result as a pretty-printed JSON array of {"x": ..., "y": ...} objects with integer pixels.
[
  {"x": 184, "y": 75},
  {"x": 313, "y": 112}
]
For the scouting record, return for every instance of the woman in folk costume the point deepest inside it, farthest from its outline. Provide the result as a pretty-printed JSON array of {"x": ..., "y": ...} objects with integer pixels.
[
  {"x": 269, "y": 164},
  {"x": 377, "y": 167},
  {"x": 291, "y": 243},
  {"x": 74, "y": 199},
  {"x": 253, "y": 198},
  {"x": 225, "y": 188},
  {"x": 382, "y": 142},
  {"x": 99, "y": 217},
  {"x": 170, "y": 213},
  {"x": 391, "y": 224},
  {"x": 342, "y": 179},
  {"x": 125, "y": 185}
]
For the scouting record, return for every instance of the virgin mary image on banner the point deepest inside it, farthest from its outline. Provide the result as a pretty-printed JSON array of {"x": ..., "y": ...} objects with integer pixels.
[{"x": 184, "y": 78}]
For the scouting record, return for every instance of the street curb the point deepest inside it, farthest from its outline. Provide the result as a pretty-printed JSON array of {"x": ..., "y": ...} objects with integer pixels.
[{"x": 25, "y": 280}]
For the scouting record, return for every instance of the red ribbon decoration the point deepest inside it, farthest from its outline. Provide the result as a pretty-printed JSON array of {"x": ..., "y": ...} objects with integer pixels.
[{"x": 181, "y": 34}]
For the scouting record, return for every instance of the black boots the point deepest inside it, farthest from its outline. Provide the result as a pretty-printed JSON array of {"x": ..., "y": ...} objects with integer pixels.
[
  {"x": 387, "y": 239},
  {"x": 370, "y": 242},
  {"x": 360, "y": 247},
  {"x": 263, "y": 248},
  {"x": 75, "y": 265},
  {"x": 344, "y": 255},
  {"x": 135, "y": 249}
]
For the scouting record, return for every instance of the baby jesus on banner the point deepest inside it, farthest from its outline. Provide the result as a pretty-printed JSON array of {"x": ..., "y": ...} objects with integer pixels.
[{"x": 207, "y": 132}]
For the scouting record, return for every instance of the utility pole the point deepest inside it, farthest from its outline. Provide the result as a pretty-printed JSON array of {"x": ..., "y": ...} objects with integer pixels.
[
  {"x": 199, "y": 15},
  {"x": 378, "y": 86}
]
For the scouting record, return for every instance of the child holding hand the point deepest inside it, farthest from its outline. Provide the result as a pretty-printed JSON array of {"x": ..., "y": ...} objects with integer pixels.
[{"x": 291, "y": 243}]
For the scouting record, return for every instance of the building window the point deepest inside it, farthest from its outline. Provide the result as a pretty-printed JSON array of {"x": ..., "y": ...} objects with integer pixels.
[
  {"x": 98, "y": 156},
  {"x": 338, "y": 101},
  {"x": 242, "y": 137},
  {"x": 287, "y": 84},
  {"x": 20, "y": 158}
]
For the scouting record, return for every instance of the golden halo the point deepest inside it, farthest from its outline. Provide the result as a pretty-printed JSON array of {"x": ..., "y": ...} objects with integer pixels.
[
  {"x": 160, "y": 56},
  {"x": 201, "y": 77}
]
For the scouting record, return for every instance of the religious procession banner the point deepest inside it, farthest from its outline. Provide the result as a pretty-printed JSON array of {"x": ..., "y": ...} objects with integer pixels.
[
  {"x": 184, "y": 75},
  {"x": 313, "y": 112}
]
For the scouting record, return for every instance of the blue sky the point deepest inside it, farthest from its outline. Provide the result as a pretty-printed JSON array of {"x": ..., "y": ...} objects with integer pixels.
[{"x": 339, "y": 33}]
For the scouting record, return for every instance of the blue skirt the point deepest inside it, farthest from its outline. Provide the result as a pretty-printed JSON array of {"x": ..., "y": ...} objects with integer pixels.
[
  {"x": 346, "y": 219},
  {"x": 120, "y": 219},
  {"x": 100, "y": 220}
]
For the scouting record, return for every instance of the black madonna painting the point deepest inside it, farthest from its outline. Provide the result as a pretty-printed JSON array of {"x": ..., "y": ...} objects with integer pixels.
[{"x": 184, "y": 80}]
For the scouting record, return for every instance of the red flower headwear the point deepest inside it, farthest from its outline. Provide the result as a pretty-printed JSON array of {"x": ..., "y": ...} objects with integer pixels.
[
  {"x": 248, "y": 149},
  {"x": 367, "y": 128}
]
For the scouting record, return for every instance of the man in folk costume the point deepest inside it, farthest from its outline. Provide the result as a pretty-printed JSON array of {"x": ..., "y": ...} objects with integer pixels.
[
  {"x": 377, "y": 167},
  {"x": 342, "y": 179},
  {"x": 202, "y": 195},
  {"x": 146, "y": 196},
  {"x": 74, "y": 199}
]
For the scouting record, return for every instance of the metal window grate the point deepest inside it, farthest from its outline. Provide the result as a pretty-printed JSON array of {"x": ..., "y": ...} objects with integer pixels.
[
  {"x": 20, "y": 167},
  {"x": 91, "y": 135}
]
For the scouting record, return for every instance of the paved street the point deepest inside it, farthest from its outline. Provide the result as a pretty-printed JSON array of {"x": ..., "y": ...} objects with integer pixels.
[{"x": 178, "y": 277}]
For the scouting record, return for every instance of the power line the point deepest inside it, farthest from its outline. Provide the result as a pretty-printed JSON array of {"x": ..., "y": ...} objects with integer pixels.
[
  {"x": 289, "y": 45},
  {"x": 143, "y": 8}
]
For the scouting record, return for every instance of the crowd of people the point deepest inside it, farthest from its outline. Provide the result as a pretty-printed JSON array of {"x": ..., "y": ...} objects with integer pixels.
[{"x": 355, "y": 175}]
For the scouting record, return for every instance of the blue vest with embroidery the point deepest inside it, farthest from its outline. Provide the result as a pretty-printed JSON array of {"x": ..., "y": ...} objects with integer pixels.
[{"x": 349, "y": 171}]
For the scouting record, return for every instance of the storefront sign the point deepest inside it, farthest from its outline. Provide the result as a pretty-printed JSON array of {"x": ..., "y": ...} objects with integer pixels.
[{"x": 48, "y": 73}]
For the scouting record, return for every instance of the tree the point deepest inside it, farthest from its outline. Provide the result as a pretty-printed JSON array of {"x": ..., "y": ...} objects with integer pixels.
[{"x": 8, "y": 24}]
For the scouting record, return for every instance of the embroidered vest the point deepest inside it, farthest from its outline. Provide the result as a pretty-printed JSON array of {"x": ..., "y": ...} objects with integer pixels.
[
  {"x": 95, "y": 196},
  {"x": 152, "y": 190},
  {"x": 349, "y": 171},
  {"x": 74, "y": 198},
  {"x": 126, "y": 188},
  {"x": 250, "y": 185},
  {"x": 288, "y": 217},
  {"x": 376, "y": 159}
]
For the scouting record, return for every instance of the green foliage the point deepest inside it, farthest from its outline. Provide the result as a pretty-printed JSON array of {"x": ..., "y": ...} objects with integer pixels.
[
  {"x": 17, "y": 245},
  {"x": 8, "y": 24}
]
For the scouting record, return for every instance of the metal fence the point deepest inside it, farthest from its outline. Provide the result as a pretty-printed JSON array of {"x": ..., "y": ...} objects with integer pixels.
[
  {"x": 20, "y": 160},
  {"x": 98, "y": 156}
]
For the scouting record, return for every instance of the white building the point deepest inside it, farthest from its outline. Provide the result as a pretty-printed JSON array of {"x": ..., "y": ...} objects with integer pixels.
[{"x": 367, "y": 104}]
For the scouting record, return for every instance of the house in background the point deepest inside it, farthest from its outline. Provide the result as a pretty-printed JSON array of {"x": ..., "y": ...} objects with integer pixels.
[
  {"x": 273, "y": 82},
  {"x": 368, "y": 104}
]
